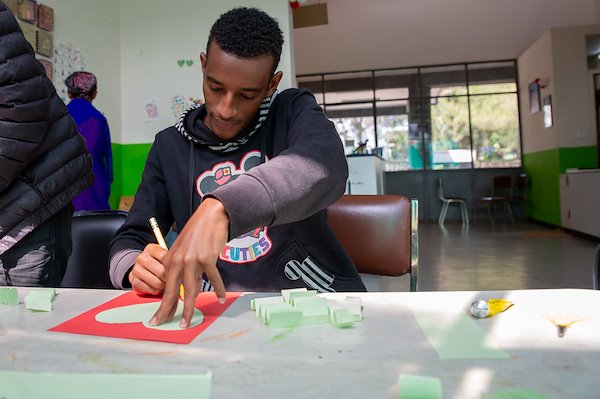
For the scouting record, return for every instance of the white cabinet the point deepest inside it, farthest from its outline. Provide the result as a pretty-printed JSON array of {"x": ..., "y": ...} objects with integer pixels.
[
  {"x": 580, "y": 201},
  {"x": 365, "y": 174}
]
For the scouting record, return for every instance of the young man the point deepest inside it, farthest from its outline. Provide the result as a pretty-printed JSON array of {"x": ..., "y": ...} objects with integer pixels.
[
  {"x": 44, "y": 164},
  {"x": 246, "y": 177}
]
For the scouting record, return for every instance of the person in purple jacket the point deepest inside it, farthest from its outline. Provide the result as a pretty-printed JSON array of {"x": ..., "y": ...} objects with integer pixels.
[{"x": 82, "y": 89}]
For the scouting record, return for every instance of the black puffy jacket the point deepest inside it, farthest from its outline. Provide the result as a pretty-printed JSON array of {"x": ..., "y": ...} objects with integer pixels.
[{"x": 44, "y": 162}]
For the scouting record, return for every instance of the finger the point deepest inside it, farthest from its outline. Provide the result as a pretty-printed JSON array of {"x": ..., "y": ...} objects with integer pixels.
[
  {"x": 168, "y": 304},
  {"x": 149, "y": 278},
  {"x": 157, "y": 252},
  {"x": 191, "y": 288},
  {"x": 213, "y": 275},
  {"x": 141, "y": 288}
]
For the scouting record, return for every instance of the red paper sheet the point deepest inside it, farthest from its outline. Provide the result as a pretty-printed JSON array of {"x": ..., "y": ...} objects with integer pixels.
[{"x": 86, "y": 322}]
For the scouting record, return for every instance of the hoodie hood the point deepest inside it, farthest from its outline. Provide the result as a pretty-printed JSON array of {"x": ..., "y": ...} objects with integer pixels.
[{"x": 191, "y": 126}]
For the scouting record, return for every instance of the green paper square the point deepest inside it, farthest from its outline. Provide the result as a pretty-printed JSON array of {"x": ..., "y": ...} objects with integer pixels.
[
  {"x": 9, "y": 296},
  {"x": 457, "y": 336},
  {"x": 419, "y": 387}
]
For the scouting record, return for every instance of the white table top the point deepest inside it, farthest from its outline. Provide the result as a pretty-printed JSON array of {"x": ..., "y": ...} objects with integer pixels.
[{"x": 250, "y": 360}]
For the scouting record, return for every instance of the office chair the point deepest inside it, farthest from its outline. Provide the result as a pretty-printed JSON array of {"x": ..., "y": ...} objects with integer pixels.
[
  {"x": 379, "y": 233},
  {"x": 91, "y": 232},
  {"x": 596, "y": 270},
  {"x": 502, "y": 195},
  {"x": 447, "y": 201}
]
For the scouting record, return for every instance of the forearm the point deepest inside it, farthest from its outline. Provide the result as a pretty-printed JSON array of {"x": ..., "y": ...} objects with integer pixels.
[
  {"x": 305, "y": 178},
  {"x": 120, "y": 265}
]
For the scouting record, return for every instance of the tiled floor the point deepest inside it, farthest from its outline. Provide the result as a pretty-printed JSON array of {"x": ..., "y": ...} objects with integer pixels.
[{"x": 479, "y": 257}]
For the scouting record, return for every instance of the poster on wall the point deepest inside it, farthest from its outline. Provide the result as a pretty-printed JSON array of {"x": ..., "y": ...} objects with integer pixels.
[
  {"x": 44, "y": 43},
  {"x": 547, "y": 111},
  {"x": 67, "y": 59},
  {"x": 151, "y": 107},
  {"x": 534, "y": 98},
  {"x": 30, "y": 33},
  {"x": 27, "y": 11},
  {"x": 45, "y": 17}
]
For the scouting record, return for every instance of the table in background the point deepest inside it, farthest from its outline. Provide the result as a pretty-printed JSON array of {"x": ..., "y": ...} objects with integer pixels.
[{"x": 250, "y": 360}]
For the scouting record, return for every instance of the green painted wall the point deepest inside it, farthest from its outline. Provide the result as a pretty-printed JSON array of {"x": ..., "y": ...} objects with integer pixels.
[
  {"x": 128, "y": 164},
  {"x": 579, "y": 157},
  {"x": 543, "y": 169}
]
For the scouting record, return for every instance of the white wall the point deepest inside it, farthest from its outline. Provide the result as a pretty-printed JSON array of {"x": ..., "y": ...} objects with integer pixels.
[
  {"x": 394, "y": 33},
  {"x": 537, "y": 62},
  {"x": 132, "y": 46},
  {"x": 560, "y": 56},
  {"x": 94, "y": 28},
  {"x": 574, "y": 103},
  {"x": 156, "y": 34}
]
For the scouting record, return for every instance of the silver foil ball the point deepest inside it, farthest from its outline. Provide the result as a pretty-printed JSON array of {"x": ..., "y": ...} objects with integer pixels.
[{"x": 480, "y": 309}]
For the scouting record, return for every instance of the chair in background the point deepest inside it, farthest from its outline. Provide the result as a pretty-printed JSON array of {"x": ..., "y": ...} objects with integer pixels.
[
  {"x": 520, "y": 191},
  {"x": 379, "y": 233},
  {"x": 447, "y": 201},
  {"x": 596, "y": 270},
  {"x": 502, "y": 196},
  {"x": 91, "y": 232}
]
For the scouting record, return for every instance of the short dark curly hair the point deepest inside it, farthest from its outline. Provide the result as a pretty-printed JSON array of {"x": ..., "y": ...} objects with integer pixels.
[{"x": 247, "y": 32}]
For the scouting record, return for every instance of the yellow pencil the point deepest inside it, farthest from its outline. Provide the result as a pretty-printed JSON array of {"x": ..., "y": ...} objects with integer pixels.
[
  {"x": 161, "y": 241},
  {"x": 158, "y": 233}
]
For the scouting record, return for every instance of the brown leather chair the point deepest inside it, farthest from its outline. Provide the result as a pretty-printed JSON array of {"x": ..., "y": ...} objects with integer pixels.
[{"x": 379, "y": 233}]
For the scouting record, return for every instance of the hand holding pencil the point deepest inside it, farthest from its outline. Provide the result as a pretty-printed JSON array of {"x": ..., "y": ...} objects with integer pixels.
[{"x": 161, "y": 241}]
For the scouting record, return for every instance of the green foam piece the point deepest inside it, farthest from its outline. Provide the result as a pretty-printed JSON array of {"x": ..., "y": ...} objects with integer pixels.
[
  {"x": 311, "y": 302},
  {"x": 266, "y": 308},
  {"x": 412, "y": 386},
  {"x": 9, "y": 296},
  {"x": 284, "y": 318},
  {"x": 457, "y": 336},
  {"x": 515, "y": 393},
  {"x": 20, "y": 384},
  {"x": 256, "y": 303},
  {"x": 294, "y": 295},
  {"x": 40, "y": 300},
  {"x": 353, "y": 305},
  {"x": 314, "y": 310},
  {"x": 341, "y": 318},
  {"x": 286, "y": 293}
]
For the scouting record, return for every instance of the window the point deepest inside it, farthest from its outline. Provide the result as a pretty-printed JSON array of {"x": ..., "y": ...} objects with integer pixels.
[{"x": 435, "y": 117}]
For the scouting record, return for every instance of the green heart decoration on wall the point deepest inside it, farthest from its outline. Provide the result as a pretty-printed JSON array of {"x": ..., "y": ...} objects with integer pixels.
[{"x": 181, "y": 63}]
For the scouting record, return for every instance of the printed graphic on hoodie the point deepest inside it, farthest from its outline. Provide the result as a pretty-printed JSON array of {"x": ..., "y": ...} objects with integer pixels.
[{"x": 253, "y": 244}]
